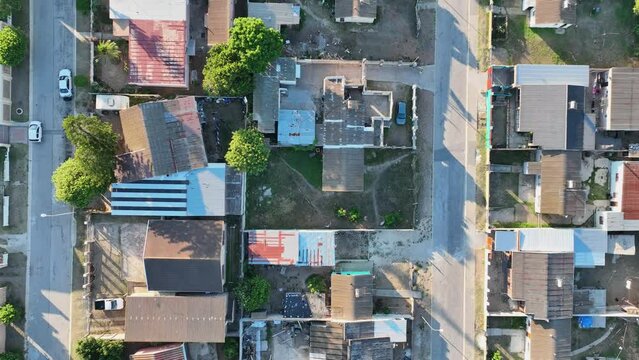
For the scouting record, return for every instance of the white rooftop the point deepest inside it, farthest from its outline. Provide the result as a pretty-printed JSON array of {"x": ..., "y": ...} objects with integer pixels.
[
  {"x": 537, "y": 74},
  {"x": 161, "y": 10}
]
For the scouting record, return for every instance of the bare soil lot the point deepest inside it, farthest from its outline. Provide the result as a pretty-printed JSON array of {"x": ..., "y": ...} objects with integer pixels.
[
  {"x": 319, "y": 36},
  {"x": 288, "y": 196},
  {"x": 285, "y": 279}
]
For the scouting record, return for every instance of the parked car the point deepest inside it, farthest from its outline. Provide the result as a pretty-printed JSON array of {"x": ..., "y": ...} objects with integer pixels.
[
  {"x": 35, "y": 131},
  {"x": 400, "y": 118},
  {"x": 65, "y": 84},
  {"x": 109, "y": 304}
]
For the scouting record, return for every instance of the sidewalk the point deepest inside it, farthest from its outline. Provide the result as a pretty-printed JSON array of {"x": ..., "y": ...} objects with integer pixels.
[{"x": 20, "y": 73}]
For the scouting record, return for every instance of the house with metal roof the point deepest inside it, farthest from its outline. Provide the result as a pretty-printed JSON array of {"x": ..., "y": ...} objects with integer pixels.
[
  {"x": 551, "y": 13},
  {"x": 185, "y": 256},
  {"x": 543, "y": 283},
  {"x": 558, "y": 187},
  {"x": 275, "y": 15},
  {"x": 158, "y": 35},
  {"x": 551, "y": 339},
  {"x": 351, "y": 296},
  {"x": 291, "y": 247},
  {"x": 624, "y": 198},
  {"x": 620, "y": 106},
  {"x": 355, "y": 11},
  {"x": 167, "y": 318},
  {"x": 218, "y": 21}
]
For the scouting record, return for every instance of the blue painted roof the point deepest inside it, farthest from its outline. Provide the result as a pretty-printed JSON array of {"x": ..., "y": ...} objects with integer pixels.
[{"x": 296, "y": 127}]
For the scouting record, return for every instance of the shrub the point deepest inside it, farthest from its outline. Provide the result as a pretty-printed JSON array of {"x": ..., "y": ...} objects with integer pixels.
[
  {"x": 108, "y": 49},
  {"x": 392, "y": 219},
  {"x": 90, "y": 348},
  {"x": 13, "y": 46},
  {"x": 247, "y": 151},
  {"x": 81, "y": 81},
  {"x": 10, "y": 313},
  {"x": 496, "y": 356},
  {"x": 231, "y": 348},
  {"x": 341, "y": 213},
  {"x": 353, "y": 215},
  {"x": 253, "y": 292},
  {"x": 12, "y": 355},
  {"x": 316, "y": 284},
  {"x": 83, "y": 6}
]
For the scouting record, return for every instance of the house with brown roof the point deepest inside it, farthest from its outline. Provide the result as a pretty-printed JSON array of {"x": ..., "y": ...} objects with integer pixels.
[
  {"x": 158, "y": 35},
  {"x": 620, "y": 106},
  {"x": 623, "y": 214},
  {"x": 551, "y": 13},
  {"x": 356, "y": 11},
  {"x": 185, "y": 256},
  {"x": 558, "y": 188},
  {"x": 351, "y": 296},
  {"x": 163, "y": 352},
  {"x": 551, "y": 339},
  {"x": 218, "y": 21},
  {"x": 166, "y": 318},
  {"x": 543, "y": 283}
]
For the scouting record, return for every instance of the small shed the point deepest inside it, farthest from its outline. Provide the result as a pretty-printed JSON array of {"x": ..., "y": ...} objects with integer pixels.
[{"x": 111, "y": 102}]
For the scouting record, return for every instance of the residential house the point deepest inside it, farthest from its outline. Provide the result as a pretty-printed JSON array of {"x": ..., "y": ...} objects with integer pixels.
[
  {"x": 158, "y": 35},
  {"x": 354, "y": 117},
  {"x": 624, "y": 198},
  {"x": 351, "y": 296},
  {"x": 291, "y": 247},
  {"x": 185, "y": 256},
  {"x": 356, "y": 11},
  {"x": 558, "y": 189},
  {"x": 617, "y": 88},
  {"x": 550, "y": 13},
  {"x": 551, "y": 339},
  {"x": 162, "y": 352},
  {"x": 218, "y": 21},
  {"x": 275, "y": 15},
  {"x": 162, "y": 167},
  {"x": 543, "y": 283},
  {"x": 540, "y": 107},
  {"x": 166, "y": 318}
]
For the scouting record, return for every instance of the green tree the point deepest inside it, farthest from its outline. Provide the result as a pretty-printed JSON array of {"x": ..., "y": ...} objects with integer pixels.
[
  {"x": 231, "y": 348},
  {"x": 496, "y": 355},
  {"x": 247, "y": 151},
  {"x": 90, "y": 348},
  {"x": 253, "y": 292},
  {"x": 224, "y": 74},
  {"x": 635, "y": 9},
  {"x": 13, "y": 46},
  {"x": 75, "y": 185},
  {"x": 255, "y": 43},
  {"x": 108, "y": 49},
  {"x": 91, "y": 133},
  {"x": 10, "y": 313},
  {"x": 11, "y": 355},
  {"x": 8, "y": 7},
  {"x": 316, "y": 284}
]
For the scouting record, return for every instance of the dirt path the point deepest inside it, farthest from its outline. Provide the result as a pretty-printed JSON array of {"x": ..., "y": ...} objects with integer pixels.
[{"x": 377, "y": 170}]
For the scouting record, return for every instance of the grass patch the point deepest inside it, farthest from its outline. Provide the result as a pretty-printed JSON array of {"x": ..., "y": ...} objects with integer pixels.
[
  {"x": 509, "y": 157},
  {"x": 484, "y": 34},
  {"x": 306, "y": 163},
  {"x": 522, "y": 40},
  {"x": 380, "y": 156}
]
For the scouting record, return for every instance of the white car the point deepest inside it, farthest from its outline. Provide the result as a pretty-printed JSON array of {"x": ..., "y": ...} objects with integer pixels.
[
  {"x": 65, "y": 84},
  {"x": 109, "y": 304},
  {"x": 35, "y": 131}
]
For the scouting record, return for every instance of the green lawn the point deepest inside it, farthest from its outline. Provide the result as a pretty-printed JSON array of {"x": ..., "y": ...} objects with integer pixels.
[
  {"x": 509, "y": 157},
  {"x": 306, "y": 163}
]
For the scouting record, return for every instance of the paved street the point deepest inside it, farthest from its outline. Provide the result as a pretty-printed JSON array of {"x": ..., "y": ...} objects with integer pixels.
[
  {"x": 458, "y": 86},
  {"x": 51, "y": 239}
]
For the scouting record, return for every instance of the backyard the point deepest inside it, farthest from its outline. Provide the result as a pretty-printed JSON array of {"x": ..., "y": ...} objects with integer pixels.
[
  {"x": 288, "y": 194},
  {"x": 604, "y": 35}
]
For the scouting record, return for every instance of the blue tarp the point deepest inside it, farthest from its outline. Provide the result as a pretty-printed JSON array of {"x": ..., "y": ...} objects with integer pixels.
[{"x": 585, "y": 322}]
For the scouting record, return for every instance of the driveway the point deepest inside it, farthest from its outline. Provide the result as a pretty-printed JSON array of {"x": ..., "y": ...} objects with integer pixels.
[{"x": 51, "y": 239}]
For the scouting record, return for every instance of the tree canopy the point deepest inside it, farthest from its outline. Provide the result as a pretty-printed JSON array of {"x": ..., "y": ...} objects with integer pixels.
[
  {"x": 10, "y": 313},
  {"x": 247, "y": 151},
  {"x": 230, "y": 66},
  {"x": 11, "y": 355},
  {"x": 253, "y": 292},
  {"x": 90, "y": 348},
  {"x": 7, "y": 7},
  {"x": 89, "y": 173},
  {"x": 13, "y": 46}
]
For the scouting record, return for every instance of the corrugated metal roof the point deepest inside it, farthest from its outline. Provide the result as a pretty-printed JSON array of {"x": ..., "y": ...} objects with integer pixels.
[
  {"x": 275, "y": 15},
  {"x": 296, "y": 127},
  {"x": 506, "y": 240},
  {"x": 266, "y": 102},
  {"x": 219, "y": 19},
  {"x": 273, "y": 247},
  {"x": 316, "y": 248},
  {"x": 169, "y": 10},
  {"x": 543, "y": 111},
  {"x": 184, "y": 255},
  {"x": 355, "y": 8},
  {"x": 547, "y": 240},
  {"x": 558, "y": 171},
  {"x": 327, "y": 341},
  {"x": 551, "y": 340},
  {"x": 370, "y": 349},
  {"x": 555, "y": 12},
  {"x": 544, "y": 282},
  {"x": 164, "y": 352},
  {"x": 590, "y": 247},
  {"x": 157, "y": 53},
  {"x": 343, "y": 169},
  {"x": 537, "y": 74},
  {"x": 630, "y": 186},
  {"x": 175, "y": 318},
  {"x": 351, "y": 297},
  {"x": 394, "y": 329},
  {"x": 623, "y": 104}
]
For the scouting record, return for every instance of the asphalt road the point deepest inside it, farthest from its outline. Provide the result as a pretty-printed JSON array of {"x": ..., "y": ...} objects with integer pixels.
[
  {"x": 48, "y": 302},
  {"x": 457, "y": 91}
]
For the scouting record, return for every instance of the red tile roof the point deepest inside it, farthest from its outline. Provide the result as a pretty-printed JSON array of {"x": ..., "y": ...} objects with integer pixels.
[
  {"x": 630, "y": 200},
  {"x": 157, "y": 53}
]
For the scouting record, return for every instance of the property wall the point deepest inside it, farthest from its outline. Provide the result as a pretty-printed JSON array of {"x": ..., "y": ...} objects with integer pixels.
[{"x": 356, "y": 19}]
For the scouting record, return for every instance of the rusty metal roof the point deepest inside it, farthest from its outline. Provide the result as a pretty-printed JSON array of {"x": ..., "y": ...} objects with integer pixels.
[
  {"x": 157, "y": 53},
  {"x": 351, "y": 297},
  {"x": 630, "y": 200}
]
